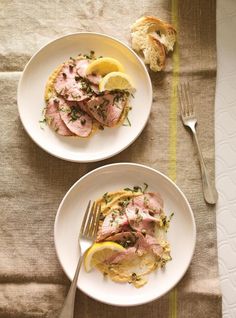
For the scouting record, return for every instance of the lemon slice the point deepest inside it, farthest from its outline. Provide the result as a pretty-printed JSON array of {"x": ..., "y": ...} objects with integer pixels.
[
  {"x": 98, "y": 252},
  {"x": 104, "y": 66},
  {"x": 115, "y": 80}
]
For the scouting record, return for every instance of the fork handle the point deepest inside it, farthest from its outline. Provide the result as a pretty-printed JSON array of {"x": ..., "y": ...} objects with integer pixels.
[
  {"x": 68, "y": 306},
  {"x": 209, "y": 189}
]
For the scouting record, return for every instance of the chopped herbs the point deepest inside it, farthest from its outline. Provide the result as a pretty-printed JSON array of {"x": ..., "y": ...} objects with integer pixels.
[
  {"x": 144, "y": 232},
  {"x": 127, "y": 122},
  {"x": 74, "y": 114},
  {"x": 42, "y": 122},
  {"x": 83, "y": 122},
  {"x": 107, "y": 198},
  {"x": 137, "y": 188},
  {"x": 56, "y": 101},
  {"x": 90, "y": 56},
  {"x": 171, "y": 216},
  {"x": 135, "y": 277},
  {"x": 101, "y": 127},
  {"x": 146, "y": 201},
  {"x": 165, "y": 221},
  {"x": 101, "y": 217},
  {"x": 124, "y": 203},
  {"x": 145, "y": 187}
]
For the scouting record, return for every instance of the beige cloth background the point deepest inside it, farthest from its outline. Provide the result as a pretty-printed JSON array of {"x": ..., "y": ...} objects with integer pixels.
[{"x": 32, "y": 283}]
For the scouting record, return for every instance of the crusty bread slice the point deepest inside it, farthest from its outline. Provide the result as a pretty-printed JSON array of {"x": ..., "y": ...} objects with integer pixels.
[
  {"x": 153, "y": 37},
  {"x": 154, "y": 54}
]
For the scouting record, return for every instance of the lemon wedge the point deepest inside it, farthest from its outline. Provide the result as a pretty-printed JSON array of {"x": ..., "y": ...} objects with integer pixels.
[
  {"x": 104, "y": 66},
  {"x": 115, "y": 80},
  {"x": 98, "y": 252}
]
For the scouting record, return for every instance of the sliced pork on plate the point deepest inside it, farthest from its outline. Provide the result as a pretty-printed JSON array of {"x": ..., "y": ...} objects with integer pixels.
[
  {"x": 137, "y": 222},
  {"x": 75, "y": 104}
]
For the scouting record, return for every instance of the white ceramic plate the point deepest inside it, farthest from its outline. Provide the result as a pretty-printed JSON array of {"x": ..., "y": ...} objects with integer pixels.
[
  {"x": 31, "y": 98},
  {"x": 181, "y": 235}
]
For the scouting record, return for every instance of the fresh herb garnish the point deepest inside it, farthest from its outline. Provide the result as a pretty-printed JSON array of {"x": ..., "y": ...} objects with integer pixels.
[
  {"x": 124, "y": 203},
  {"x": 127, "y": 122},
  {"x": 43, "y": 121},
  {"x": 145, "y": 187},
  {"x": 102, "y": 109},
  {"x": 101, "y": 217},
  {"x": 83, "y": 122},
  {"x": 138, "y": 188},
  {"x": 107, "y": 198},
  {"x": 74, "y": 114},
  {"x": 90, "y": 56}
]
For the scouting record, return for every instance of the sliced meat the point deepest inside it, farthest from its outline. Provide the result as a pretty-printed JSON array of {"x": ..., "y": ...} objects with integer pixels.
[
  {"x": 107, "y": 109},
  {"x": 142, "y": 210},
  {"x": 53, "y": 117},
  {"x": 150, "y": 201},
  {"x": 71, "y": 86},
  {"x": 113, "y": 223},
  {"x": 147, "y": 242},
  {"x": 121, "y": 256},
  {"x": 140, "y": 215},
  {"x": 143, "y": 245},
  {"x": 124, "y": 238},
  {"x": 77, "y": 121},
  {"x": 81, "y": 66},
  {"x": 140, "y": 219}
]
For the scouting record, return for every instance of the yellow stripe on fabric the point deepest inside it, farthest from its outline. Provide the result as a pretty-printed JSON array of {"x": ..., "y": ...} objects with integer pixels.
[
  {"x": 173, "y": 133},
  {"x": 174, "y": 99},
  {"x": 173, "y": 303}
]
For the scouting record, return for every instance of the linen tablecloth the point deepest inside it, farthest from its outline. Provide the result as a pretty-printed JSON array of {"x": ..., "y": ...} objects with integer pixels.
[{"x": 32, "y": 283}]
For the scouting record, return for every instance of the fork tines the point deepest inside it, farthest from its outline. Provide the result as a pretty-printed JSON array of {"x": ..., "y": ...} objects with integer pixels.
[
  {"x": 185, "y": 99},
  {"x": 90, "y": 222}
]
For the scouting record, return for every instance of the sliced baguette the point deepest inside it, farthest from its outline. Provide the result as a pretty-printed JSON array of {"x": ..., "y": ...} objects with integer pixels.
[
  {"x": 154, "y": 54},
  {"x": 154, "y": 38}
]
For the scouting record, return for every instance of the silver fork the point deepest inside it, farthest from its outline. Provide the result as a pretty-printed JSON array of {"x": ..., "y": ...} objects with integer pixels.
[
  {"x": 189, "y": 119},
  {"x": 87, "y": 235}
]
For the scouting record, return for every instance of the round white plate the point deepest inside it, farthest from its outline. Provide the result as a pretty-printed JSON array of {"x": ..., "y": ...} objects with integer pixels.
[
  {"x": 31, "y": 98},
  {"x": 181, "y": 235}
]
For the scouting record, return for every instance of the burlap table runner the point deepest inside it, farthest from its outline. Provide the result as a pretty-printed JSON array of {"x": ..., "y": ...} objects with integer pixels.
[{"x": 33, "y": 182}]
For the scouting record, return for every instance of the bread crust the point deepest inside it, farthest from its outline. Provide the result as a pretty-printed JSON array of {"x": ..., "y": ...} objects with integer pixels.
[
  {"x": 154, "y": 38},
  {"x": 153, "y": 24}
]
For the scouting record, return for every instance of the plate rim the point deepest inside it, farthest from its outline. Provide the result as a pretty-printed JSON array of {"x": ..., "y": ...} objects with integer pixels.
[
  {"x": 137, "y": 165},
  {"x": 103, "y": 157}
]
